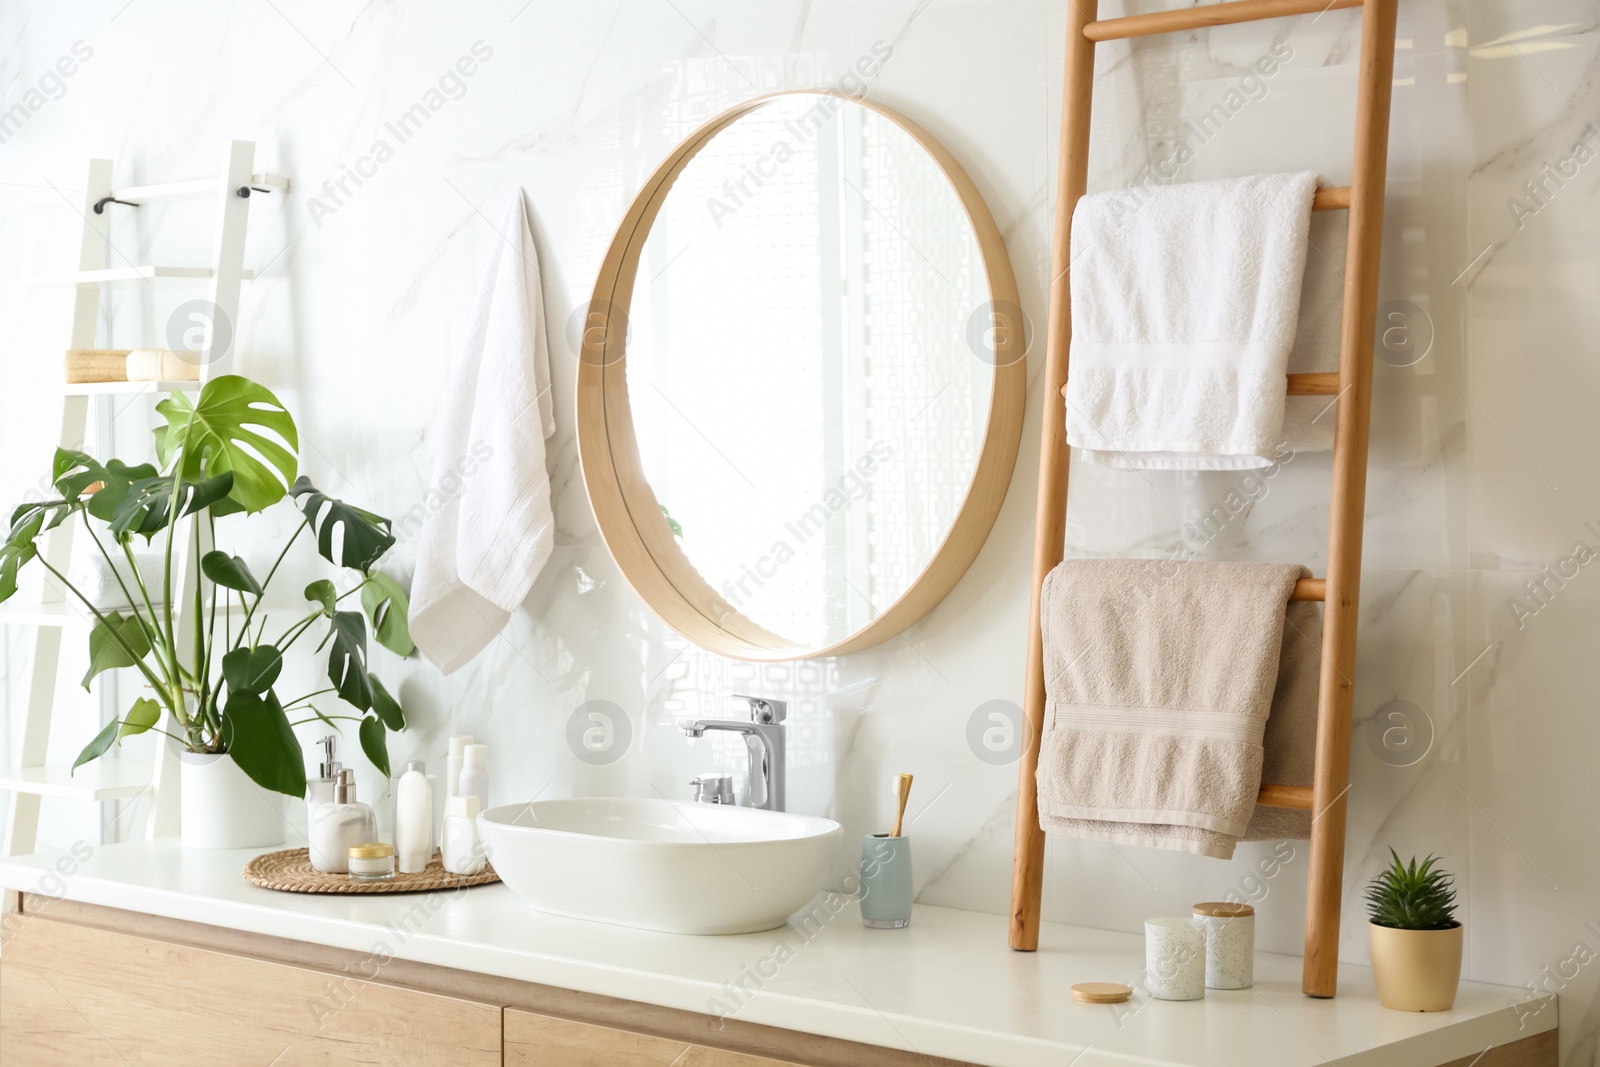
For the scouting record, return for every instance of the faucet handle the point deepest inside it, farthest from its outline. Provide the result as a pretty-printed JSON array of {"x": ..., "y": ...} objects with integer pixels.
[
  {"x": 765, "y": 709},
  {"x": 713, "y": 788}
]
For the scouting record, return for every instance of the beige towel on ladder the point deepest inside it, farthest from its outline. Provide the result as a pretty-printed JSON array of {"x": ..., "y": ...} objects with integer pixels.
[{"x": 1160, "y": 677}]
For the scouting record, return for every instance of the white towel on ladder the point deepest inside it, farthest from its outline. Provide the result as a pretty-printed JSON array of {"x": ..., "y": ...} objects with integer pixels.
[
  {"x": 1184, "y": 300},
  {"x": 484, "y": 544}
]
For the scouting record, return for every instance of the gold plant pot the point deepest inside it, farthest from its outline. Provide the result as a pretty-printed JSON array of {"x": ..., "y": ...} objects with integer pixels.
[{"x": 1415, "y": 970}]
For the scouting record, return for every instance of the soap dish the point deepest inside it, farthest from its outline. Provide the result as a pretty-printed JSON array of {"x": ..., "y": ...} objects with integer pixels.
[{"x": 290, "y": 871}]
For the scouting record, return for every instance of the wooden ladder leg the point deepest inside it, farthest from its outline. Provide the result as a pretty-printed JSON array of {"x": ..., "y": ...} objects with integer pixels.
[
  {"x": 1331, "y": 783},
  {"x": 1072, "y": 176}
]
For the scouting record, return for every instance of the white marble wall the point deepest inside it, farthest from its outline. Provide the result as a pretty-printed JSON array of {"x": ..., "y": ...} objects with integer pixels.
[{"x": 1482, "y": 470}]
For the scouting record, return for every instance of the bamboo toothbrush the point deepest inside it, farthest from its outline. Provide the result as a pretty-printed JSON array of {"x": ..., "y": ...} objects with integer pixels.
[{"x": 903, "y": 786}]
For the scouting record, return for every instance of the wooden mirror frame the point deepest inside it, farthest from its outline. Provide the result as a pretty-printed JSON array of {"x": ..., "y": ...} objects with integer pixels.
[{"x": 625, "y": 507}]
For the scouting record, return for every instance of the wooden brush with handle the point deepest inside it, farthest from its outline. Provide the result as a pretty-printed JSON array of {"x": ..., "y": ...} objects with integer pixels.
[{"x": 903, "y": 786}]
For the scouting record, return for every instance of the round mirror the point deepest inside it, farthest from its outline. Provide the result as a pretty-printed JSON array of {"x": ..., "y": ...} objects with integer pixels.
[{"x": 802, "y": 380}]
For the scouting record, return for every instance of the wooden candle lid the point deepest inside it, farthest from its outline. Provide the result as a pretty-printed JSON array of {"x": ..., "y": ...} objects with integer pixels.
[
  {"x": 1223, "y": 909},
  {"x": 1101, "y": 992}
]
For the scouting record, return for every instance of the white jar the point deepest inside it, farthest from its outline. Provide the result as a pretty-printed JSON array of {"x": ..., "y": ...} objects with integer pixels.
[
  {"x": 1230, "y": 943},
  {"x": 1174, "y": 959}
]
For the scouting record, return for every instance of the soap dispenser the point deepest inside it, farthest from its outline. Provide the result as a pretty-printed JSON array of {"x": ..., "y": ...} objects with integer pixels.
[
  {"x": 319, "y": 790},
  {"x": 337, "y": 825}
]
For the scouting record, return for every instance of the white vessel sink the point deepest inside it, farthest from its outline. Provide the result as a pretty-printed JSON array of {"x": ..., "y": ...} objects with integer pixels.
[{"x": 665, "y": 865}]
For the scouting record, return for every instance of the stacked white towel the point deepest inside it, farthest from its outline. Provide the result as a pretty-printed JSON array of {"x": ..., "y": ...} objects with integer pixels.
[
  {"x": 1184, "y": 306},
  {"x": 482, "y": 548}
]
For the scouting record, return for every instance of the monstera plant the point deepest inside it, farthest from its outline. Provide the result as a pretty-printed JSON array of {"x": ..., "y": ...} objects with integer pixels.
[{"x": 231, "y": 449}]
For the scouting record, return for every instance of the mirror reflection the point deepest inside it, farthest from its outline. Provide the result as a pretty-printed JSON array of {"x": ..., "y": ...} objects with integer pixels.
[{"x": 809, "y": 368}]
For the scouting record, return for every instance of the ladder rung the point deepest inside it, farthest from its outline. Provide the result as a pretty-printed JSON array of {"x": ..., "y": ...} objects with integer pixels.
[
  {"x": 185, "y": 190},
  {"x": 1310, "y": 589},
  {"x": 1196, "y": 18},
  {"x": 97, "y": 781},
  {"x": 156, "y": 387},
  {"x": 1326, "y": 384},
  {"x": 43, "y": 613},
  {"x": 1323, "y": 384},
  {"x": 109, "y": 275},
  {"x": 1285, "y": 796},
  {"x": 1335, "y": 199}
]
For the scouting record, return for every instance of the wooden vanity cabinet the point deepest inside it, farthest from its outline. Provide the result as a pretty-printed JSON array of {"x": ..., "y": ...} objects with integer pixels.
[
  {"x": 545, "y": 1041},
  {"x": 91, "y": 986},
  {"x": 78, "y": 995}
]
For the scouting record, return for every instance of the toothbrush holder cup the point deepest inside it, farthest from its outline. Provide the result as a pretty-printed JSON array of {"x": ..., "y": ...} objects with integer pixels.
[{"x": 885, "y": 881}]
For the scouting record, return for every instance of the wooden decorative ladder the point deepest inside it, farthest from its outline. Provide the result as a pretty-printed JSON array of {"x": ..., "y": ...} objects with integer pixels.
[
  {"x": 1352, "y": 386},
  {"x": 34, "y": 777}
]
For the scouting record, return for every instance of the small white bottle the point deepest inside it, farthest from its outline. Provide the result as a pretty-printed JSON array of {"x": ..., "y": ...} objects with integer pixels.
[
  {"x": 337, "y": 825},
  {"x": 462, "y": 852},
  {"x": 452, "y": 764},
  {"x": 475, "y": 775},
  {"x": 413, "y": 820}
]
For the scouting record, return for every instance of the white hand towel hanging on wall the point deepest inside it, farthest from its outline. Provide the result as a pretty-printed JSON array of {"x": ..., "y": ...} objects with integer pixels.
[{"x": 484, "y": 545}]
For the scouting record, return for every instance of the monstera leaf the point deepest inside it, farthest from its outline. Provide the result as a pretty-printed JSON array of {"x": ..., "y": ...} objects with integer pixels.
[
  {"x": 111, "y": 641},
  {"x": 346, "y": 535},
  {"x": 385, "y": 706},
  {"x": 258, "y": 737},
  {"x": 386, "y": 606},
  {"x": 322, "y": 592},
  {"x": 252, "y": 670},
  {"x": 99, "y": 746},
  {"x": 237, "y": 426},
  {"x": 71, "y": 472},
  {"x": 143, "y": 716},
  {"x": 230, "y": 572},
  {"x": 347, "y": 658},
  {"x": 141, "y": 507},
  {"x": 21, "y": 543},
  {"x": 116, "y": 479},
  {"x": 375, "y": 743}
]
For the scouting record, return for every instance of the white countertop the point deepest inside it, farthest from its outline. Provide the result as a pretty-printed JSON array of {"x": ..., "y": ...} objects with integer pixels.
[{"x": 945, "y": 986}]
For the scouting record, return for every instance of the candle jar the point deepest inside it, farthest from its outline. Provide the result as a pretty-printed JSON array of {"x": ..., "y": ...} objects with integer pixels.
[
  {"x": 1174, "y": 959},
  {"x": 371, "y": 862},
  {"x": 1230, "y": 943}
]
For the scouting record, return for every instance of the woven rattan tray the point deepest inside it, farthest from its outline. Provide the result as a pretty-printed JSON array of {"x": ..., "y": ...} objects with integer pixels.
[{"x": 290, "y": 871}]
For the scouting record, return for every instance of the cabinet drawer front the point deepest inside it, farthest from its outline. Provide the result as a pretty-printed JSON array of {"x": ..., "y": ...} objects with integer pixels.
[
  {"x": 542, "y": 1041},
  {"x": 79, "y": 995}
]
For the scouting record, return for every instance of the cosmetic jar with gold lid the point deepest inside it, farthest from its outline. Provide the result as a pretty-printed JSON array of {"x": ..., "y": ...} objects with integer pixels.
[{"x": 371, "y": 862}]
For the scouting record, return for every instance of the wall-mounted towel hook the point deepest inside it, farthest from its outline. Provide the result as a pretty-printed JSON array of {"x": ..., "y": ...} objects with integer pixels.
[{"x": 100, "y": 205}]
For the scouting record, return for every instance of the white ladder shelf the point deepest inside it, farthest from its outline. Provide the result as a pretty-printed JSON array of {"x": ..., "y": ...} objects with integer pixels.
[{"x": 52, "y": 615}]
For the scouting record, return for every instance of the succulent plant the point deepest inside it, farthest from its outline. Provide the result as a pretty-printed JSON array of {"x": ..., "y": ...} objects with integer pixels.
[{"x": 1412, "y": 896}]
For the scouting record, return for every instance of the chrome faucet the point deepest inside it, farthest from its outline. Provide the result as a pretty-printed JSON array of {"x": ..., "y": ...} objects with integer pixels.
[{"x": 764, "y": 743}]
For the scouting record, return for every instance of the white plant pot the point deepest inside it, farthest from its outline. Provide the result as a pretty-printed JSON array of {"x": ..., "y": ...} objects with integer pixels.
[{"x": 220, "y": 807}]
